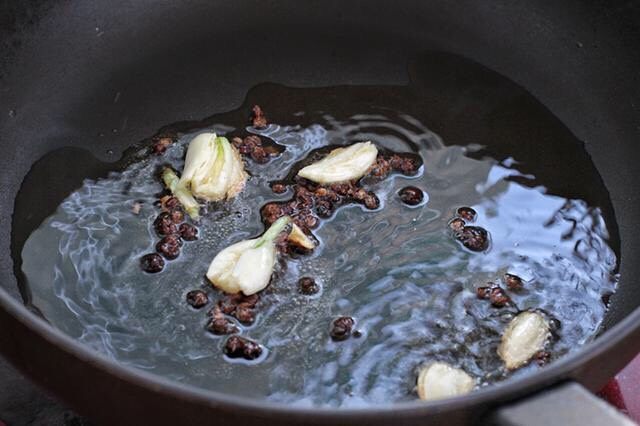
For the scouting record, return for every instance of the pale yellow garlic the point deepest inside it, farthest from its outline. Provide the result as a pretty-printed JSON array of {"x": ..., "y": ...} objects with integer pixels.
[
  {"x": 342, "y": 164},
  {"x": 525, "y": 335},
  {"x": 213, "y": 169},
  {"x": 247, "y": 266},
  {"x": 440, "y": 380},
  {"x": 299, "y": 238}
]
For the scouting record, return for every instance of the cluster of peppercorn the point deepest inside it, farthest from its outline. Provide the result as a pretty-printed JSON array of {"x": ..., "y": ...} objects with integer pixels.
[
  {"x": 173, "y": 230},
  {"x": 474, "y": 238}
]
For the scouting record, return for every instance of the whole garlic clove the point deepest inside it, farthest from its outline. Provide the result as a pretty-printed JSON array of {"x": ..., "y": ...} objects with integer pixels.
[
  {"x": 299, "y": 238},
  {"x": 342, "y": 164},
  {"x": 525, "y": 335},
  {"x": 247, "y": 266},
  {"x": 440, "y": 380},
  {"x": 213, "y": 168}
]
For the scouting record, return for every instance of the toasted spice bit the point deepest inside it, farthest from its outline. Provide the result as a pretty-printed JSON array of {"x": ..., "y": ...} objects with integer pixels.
[
  {"x": 247, "y": 266},
  {"x": 279, "y": 188},
  {"x": 324, "y": 208},
  {"x": 168, "y": 203},
  {"x": 357, "y": 334},
  {"x": 164, "y": 225},
  {"x": 341, "y": 328},
  {"x": 513, "y": 282},
  {"x": 371, "y": 201},
  {"x": 258, "y": 119},
  {"x": 136, "y": 207},
  {"x": 245, "y": 314},
  {"x": 525, "y": 335},
  {"x": 380, "y": 168},
  {"x": 542, "y": 357},
  {"x": 152, "y": 263},
  {"x": 404, "y": 164},
  {"x": 342, "y": 164},
  {"x": 161, "y": 145},
  {"x": 498, "y": 297},
  {"x": 239, "y": 347},
  {"x": 456, "y": 224},
  {"x": 197, "y": 298},
  {"x": 169, "y": 247},
  {"x": 467, "y": 213},
  {"x": 177, "y": 215},
  {"x": 474, "y": 238},
  {"x": 484, "y": 292},
  {"x": 440, "y": 380},
  {"x": 411, "y": 195},
  {"x": 308, "y": 286},
  {"x": 188, "y": 232},
  {"x": 220, "y": 325}
]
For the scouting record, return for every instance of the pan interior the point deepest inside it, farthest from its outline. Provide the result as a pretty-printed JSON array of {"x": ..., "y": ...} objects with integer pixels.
[{"x": 485, "y": 142}]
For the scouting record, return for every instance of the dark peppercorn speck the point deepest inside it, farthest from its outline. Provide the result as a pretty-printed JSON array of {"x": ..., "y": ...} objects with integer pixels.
[
  {"x": 411, "y": 195},
  {"x": 308, "y": 286},
  {"x": 169, "y": 246},
  {"x": 239, "y": 347},
  {"x": 152, "y": 263},
  {"x": 197, "y": 298},
  {"x": 164, "y": 225},
  {"x": 474, "y": 238},
  {"x": 341, "y": 328},
  {"x": 467, "y": 213},
  {"x": 188, "y": 232},
  {"x": 513, "y": 282}
]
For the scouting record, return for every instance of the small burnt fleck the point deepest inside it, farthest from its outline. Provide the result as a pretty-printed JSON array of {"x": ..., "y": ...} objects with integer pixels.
[
  {"x": 164, "y": 225},
  {"x": 197, "y": 298},
  {"x": 474, "y": 238},
  {"x": 240, "y": 347},
  {"x": 188, "y": 232},
  {"x": 258, "y": 119},
  {"x": 467, "y": 213},
  {"x": 169, "y": 246},
  {"x": 308, "y": 286},
  {"x": 357, "y": 334},
  {"x": 513, "y": 282},
  {"x": 411, "y": 195},
  {"x": 341, "y": 328},
  {"x": 279, "y": 188},
  {"x": 152, "y": 263}
]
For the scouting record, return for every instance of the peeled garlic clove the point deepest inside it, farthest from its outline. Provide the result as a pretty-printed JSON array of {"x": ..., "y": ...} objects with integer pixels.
[
  {"x": 342, "y": 164},
  {"x": 299, "y": 238},
  {"x": 441, "y": 380},
  {"x": 220, "y": 271},
  {"x": 247, "y": 266},
  {"x": 213, "y": 168},
  {"x": 525, "y": 335}
]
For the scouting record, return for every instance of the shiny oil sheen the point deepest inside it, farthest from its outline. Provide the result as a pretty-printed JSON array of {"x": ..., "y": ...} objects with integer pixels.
[{"x": 484, "y": 142}]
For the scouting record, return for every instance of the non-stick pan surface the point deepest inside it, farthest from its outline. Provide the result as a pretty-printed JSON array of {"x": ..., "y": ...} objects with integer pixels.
[{"x": 63, "y": 61}]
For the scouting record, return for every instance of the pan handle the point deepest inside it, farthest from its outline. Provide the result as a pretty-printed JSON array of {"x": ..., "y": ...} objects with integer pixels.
[{"x": 569, "y": 404}]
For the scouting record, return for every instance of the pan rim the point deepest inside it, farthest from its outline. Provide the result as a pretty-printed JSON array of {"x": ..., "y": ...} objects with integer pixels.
[{"x": 490, "y": 395}]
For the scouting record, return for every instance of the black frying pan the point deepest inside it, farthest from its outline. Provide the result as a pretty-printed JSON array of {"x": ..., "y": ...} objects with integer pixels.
[{"x": 62, "y": 61}]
